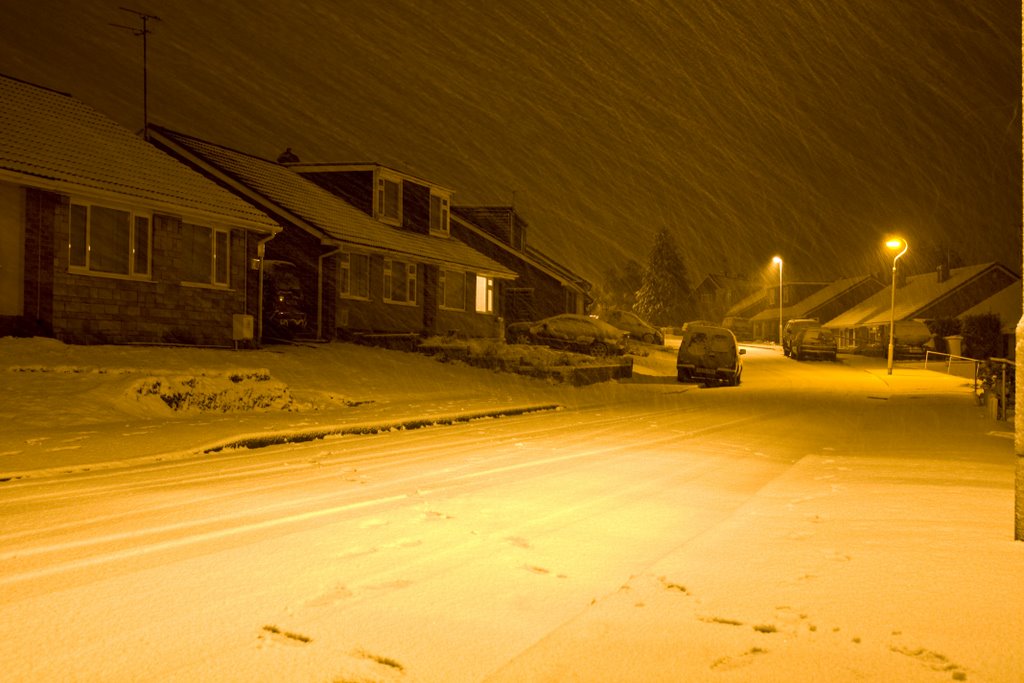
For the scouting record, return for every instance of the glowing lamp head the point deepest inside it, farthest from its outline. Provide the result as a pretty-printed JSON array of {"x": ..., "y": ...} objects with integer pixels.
[
  {"x": 895, "y": 243},
  {"x": 777, "y": 261}
]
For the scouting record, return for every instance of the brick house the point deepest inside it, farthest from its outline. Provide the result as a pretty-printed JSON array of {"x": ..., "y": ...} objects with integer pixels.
[
  {"x": 717, "y": 293},
  {"x": 823, "y": 302},
  {"x": 544, "y": 287},
  {"x": 946, "y": 293},
  {"x": 765, "y": 323},
  {"x": 104, "y": 239},
  {"x": 371, "y": 246}
]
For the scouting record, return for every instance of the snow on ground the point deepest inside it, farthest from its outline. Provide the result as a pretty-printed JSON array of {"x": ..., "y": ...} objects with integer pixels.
[
  {"x": 849, "y": 566},
  {"x": 70, "y": 407}
]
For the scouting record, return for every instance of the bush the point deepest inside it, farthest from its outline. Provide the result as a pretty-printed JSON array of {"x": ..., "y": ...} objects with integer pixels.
[
  {"x": 942, "y": 328},
  {"x": 982, "y": 336}
]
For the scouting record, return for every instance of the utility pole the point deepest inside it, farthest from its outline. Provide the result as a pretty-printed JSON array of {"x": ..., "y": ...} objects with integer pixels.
[{"x": 144, "y": 32}]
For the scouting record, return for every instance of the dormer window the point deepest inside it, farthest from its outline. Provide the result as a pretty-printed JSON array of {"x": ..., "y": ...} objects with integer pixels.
[
  {"x": 439, "y": 222},
  {"x": 389, "y": 199}
]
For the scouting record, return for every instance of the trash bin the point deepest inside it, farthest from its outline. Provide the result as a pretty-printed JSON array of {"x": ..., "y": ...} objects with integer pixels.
[{"x": 955, "y": 343}]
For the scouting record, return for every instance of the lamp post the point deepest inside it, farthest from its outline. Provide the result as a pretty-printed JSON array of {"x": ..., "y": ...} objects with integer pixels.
[
  {"x": 778, "y": 261},
  {"x": 894, "y": 244}
]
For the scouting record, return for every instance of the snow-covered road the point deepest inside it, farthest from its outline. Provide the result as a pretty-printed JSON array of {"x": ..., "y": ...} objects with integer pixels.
[{"x": 484, "y": 549}]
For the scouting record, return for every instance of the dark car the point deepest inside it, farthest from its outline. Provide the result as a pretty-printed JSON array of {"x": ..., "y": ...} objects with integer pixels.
[
  {"x": 572, "y": 332},
  {"x": 634, "y": 325},
  {"x": 284, "y": 305},
  {"x": 814, "y": 342},
  {"x": 709, "y": 354},
  {"x": 794, "y": 326}
]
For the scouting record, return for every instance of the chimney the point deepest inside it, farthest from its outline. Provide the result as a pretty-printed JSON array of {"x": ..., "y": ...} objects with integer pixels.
[
  {"x": 943, "y": 272},
  {"x": 901, "y": 277}
]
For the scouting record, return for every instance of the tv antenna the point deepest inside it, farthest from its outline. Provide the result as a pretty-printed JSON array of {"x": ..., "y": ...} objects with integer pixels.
[{"x": 144, "y": 32}]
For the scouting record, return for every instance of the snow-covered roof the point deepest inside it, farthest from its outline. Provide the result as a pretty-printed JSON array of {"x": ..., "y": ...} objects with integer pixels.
[
  {"x": 277, "y": 188},
  {"x": 919, "y": 292},
  {"x": 810, "y": 305},
  {"x": 752, "y": 302},
  {"x": 1005, "y": 303},
  {"x": 50, "y": 140}
]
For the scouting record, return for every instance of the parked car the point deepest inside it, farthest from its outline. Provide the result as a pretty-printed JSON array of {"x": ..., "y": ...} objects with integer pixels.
[
  {"x": 568, "y": 331},
  {"x": 709, "y": 354},
  {"x": 814, "y": 342},
  {"x": 284, "y": 304},
  {"x": 637, "y": 327},
  {"x": 793, "y": 326}
]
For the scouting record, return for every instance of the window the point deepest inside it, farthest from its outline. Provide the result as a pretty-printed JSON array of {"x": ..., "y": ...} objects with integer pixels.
[
  {"x": 439, "y": 214},
  {"x": 205, "y": 253},
  {"x": 102, "y": 239},
  {"x": 355, "y": 276},
  {"x": 452, "y": 290},
  {"x": 399, "y": 282},
  {"x": 389, "y": 199},
  {"x": 484, "y": 294}
]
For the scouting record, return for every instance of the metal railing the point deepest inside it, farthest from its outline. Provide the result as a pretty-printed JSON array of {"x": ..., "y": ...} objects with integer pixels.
[{"x": 950, "y": 359}]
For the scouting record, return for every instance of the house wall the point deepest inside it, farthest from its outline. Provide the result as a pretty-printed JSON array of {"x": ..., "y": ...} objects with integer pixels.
[
  {"x": 91, "y": 309},
  {"x": 355, "y": 187},
  {"x": 549, "y": 296},
  {"x": 374, "y": 315},
  {"x": 415, "y": 207}
]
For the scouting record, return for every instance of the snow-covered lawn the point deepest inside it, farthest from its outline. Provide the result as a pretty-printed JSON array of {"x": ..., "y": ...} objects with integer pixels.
[{"x": 857, "y": 560}]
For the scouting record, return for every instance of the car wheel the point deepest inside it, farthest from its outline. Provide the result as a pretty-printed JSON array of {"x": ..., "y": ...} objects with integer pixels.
[
  {"x": 598, "y": 349},
  {"x": 648, "y": 338},
  {"x": 520, "y": 338},
  {"x": 682, "y": 376}
]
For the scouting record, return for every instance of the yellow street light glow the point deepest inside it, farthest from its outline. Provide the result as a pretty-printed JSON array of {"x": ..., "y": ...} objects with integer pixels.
[
  {"x": 776, "y": 260},
  {"x": 895, "y": 243}
]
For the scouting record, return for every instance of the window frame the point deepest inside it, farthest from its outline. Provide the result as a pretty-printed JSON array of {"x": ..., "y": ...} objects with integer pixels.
[
  {"x": 408, "y": 273},
  {"x": 380, "y": 204},
  {"x": 443, "y": 213},
  {"x": 215, "y": 262},
  {"x": 483, "y": 299},
  {"x": 346, "y": 272},
  {"x": 138, "y": 259}
]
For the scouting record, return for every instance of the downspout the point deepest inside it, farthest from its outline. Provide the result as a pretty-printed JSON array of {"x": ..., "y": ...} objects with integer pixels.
[
  {"x": 261, "y": 247},
  {"x": 320, "y": 292}
]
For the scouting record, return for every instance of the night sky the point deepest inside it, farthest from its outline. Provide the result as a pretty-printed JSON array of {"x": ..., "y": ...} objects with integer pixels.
[{"x": 809, "y": 129}]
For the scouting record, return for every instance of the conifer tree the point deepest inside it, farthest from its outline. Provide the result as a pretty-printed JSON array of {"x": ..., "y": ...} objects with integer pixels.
[{"x": 664, "y": 297}]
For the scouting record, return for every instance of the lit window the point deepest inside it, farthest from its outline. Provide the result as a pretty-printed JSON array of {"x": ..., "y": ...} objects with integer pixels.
[
  {"x": 439, "y": 214},
  {"x": 205, "y": 254},
  {"x": 355, "y": 276},
  {"x": 484, "y": 294},
  {"x": 389, "y": 200},
  {"x": 106, "y": 240},
  {"x": 452, "y": 287},
  {"x": 399, "y": 282}
]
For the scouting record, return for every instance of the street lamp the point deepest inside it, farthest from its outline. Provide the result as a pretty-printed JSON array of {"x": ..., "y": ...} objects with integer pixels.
[
  {"x": 778, "y": 261},
  {"x": 894, "y": 244}
]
